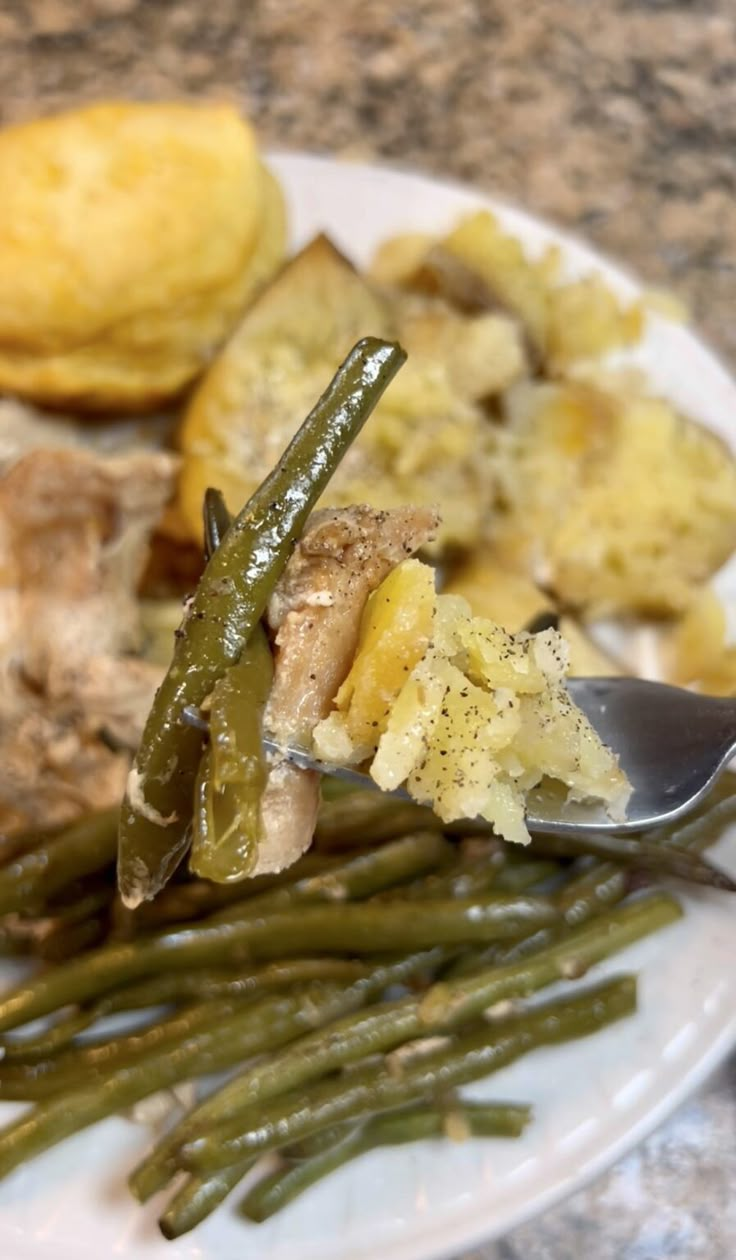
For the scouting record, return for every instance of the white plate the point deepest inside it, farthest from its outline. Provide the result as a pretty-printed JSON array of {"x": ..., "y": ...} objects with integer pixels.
[{"x": 593, "y": 1099}]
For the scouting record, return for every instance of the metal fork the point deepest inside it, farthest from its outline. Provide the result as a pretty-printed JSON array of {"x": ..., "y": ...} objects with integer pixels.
[{"x": 671, "y": 743}]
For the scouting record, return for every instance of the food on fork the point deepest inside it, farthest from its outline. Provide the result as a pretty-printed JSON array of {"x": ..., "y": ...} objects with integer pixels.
[{"x": 469, "y": 717}]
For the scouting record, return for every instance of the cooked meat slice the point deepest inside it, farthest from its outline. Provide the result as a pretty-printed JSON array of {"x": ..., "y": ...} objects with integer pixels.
[
  {"x": 74, "y": 529},
  {"x": 315, "y": 615}
]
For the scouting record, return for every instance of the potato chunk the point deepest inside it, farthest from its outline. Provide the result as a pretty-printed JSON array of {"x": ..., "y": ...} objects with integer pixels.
[
  {"x": 614, "y": 501},
  {"x": 480, "y": 267},
  {"x": 470, "y": 718}
]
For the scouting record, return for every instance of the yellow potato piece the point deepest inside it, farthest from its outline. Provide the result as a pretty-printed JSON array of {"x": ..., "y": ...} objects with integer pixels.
[
  {"x": 129, "y": 245},
  {"x": 395, "y": 632},
  {"x": 696, "y": 651},
  {"x": 426, "y": 443},
  {"x": 498, "y": 261},
  {"x": 613, "y": 500},
  {"x": 585, "y": 320},
  {"x": 397, "y": 259},
  {"x": 510, "y": 599},
  {"x": 484, "y": 354},
  {"x": 479, "y": 266}
]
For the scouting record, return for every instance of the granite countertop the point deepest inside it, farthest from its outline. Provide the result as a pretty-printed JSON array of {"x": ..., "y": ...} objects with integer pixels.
[{"x": 618, "y": 120}]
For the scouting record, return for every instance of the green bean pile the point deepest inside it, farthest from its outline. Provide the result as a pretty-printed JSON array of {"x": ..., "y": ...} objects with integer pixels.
[{"x": 346, "y": 999}]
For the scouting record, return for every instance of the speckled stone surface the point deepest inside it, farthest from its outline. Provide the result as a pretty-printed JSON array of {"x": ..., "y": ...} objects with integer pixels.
[{"x": 617, "y": 119}]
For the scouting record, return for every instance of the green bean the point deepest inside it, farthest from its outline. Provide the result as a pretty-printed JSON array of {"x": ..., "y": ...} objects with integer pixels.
[
  {"x": 181, "y": 986},
  {"x": 32, "y": 879},
  {"x": 465, "y": 877},
  {"x": 198, "y": 1197},
  {"x": 197, "y": 897},
  {"x": 187, "y": 985},
  {"x": 28, "y": 1050},
  {"x": 706, "y": 826},
  {"x": 585, "y": 896},
  {"x": 368, "y": 817},
  {"x": 252, "y": 1029},
  {"x": 69, "y": 1068},
  {"x": 444, "y": 1007},
  {"x": 64, "y": 1070},
  {"x": 160, "y": 1163},
  {"x": 357, "y": 877},
  {"x": 645, "y": 854},
  {"x": 256, "y": 1027},
  {"x": 233, "y": 772},
  {"x": 219, "y": 939},
  {"x": 19, "y": 843},
  {"x": 519, "y": 876},
  {"x": 227, "y": 605},
  {"x": 414, "y": 1124},
  {"x": 381, "y": 1087},
  {"x": 216, "y": 520}
]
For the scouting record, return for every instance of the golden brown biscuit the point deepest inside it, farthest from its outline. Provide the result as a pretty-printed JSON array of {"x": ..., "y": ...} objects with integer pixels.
[{"x": 130, "y": 243}]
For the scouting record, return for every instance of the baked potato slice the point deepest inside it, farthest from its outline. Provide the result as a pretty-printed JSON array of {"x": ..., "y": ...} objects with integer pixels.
[{"x": 427, "y": 443}]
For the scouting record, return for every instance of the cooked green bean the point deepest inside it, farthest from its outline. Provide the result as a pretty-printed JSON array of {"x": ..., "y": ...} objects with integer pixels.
[
  {"x": 198, "y": 1197},
  {"x": 221, "y": 938},
  {"x": 706, "y": 826},
  {"x": 368, "y": 817},
  {"x": 198, "y": 897},
  {"x": 647, "y": 855},
  {"x": 232, "y": 774},
  {"x": 519, "y": 876},
  {"x": 354, "y": 878},
  {"x": 177, "y": 987},
  {"x": 412, "y": 1124},
  {"x": 18, "y": 843},
  {"x": 30, "y": 880},
  {"x": 42, "y": 1078},
  {"x": 217, "y": 520},
  {"x": 379, "y": 1087},
  {"x": 252, "y": 1029},
  {"x": 32, "y": 1049},
  {"x": 585, "y": 896},
  {"x": 362, "y": 928},
  {"x": 444, "y": 1007},
  {"x": 70, "y": 1068},
  {"x": 462, "y": 877},
  {"x": 275, "y": 1020},
  {"x": 227, "y": 605}
]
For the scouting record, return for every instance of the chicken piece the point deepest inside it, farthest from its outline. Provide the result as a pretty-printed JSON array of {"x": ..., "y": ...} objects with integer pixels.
[
  {"x": 74, "y": 529},
  {"x": 315, "y": 614}
]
